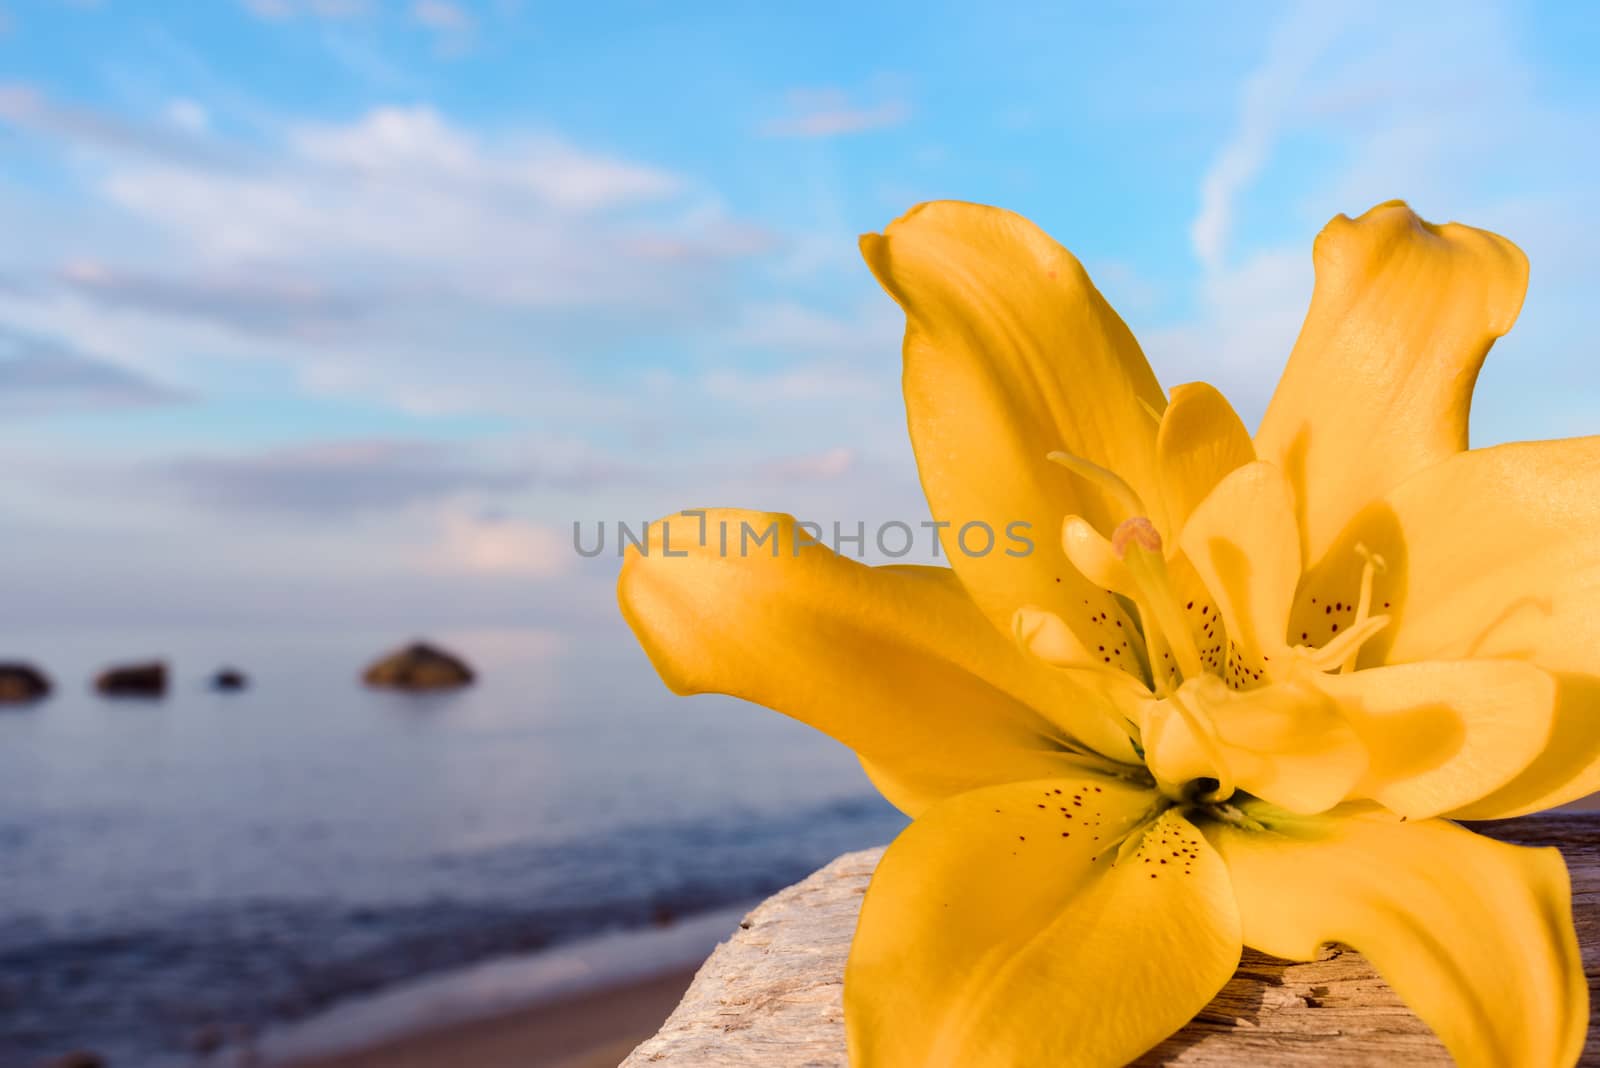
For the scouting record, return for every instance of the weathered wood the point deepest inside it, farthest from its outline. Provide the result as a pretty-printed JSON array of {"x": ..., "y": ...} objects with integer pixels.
[{"x": 771, "y": 994}]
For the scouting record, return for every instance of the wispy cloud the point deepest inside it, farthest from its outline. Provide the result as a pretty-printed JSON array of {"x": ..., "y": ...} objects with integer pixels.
[
  {"x": 831, "y": 113},
  {"x": 376, "y": 244},
  {"x": 1343, "y": 113},
  {"x": 278, "y": 10},
  {"x": 810, "y": 467},
  {"x": 40, "y": 376},
  {"x": 1266, "y": 101},
  {"x": 491, "y": 543},
  {"x": 805, "y": 382},
  {"x": 417, "y": 145},
  {"x": 187, "y": 115},
  {"x": 267, "y": 302},
  {"x": 30, "y": 109},
  {"x": 442, "y": 16},
  {"x": 451, "y": 24},
  {"x": 329, "y": 480},
  {"x": 338, "y": 478},
  {"x": 787, "y": 326}
]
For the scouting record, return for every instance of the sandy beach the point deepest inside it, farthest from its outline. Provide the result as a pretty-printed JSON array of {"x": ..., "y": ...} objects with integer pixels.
[
  {"x": 581, "y": 1005},
  {"x": 590, "y": 1030}
]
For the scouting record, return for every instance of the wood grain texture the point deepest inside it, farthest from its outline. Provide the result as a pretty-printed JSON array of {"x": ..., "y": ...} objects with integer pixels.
[{"x": 771, "y": 995}]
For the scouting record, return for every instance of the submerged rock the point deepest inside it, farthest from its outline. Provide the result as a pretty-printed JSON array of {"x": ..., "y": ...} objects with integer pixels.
[
  {"x": 78, "y": 1058},
  {"x": 419, "y": 666},
  {"x": 22, "y": 682},
  {"x": 134, "y": 680},
  {"x": 229, "y": 679}
]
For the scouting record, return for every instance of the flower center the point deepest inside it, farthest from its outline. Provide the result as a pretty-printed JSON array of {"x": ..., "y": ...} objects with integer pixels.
[{"x": 1182, "y": 748}]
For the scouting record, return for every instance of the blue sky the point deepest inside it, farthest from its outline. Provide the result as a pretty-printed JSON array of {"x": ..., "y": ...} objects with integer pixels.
[{"x": 344, "y": 310}]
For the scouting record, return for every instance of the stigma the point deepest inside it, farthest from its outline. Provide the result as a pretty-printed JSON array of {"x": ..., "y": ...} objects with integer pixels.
[{"x": 1138, "y": 544}]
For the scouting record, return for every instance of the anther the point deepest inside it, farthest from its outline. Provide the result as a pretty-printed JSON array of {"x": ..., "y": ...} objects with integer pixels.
[{"x": 1137, "y": 529}]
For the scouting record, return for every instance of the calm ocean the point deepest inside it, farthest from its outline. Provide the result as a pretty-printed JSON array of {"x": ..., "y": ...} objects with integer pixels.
[{"x": 207, "y": 867}]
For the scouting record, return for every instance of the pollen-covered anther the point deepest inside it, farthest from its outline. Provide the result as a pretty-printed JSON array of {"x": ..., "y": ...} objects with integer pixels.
[{"x": 1138, "y": 529}]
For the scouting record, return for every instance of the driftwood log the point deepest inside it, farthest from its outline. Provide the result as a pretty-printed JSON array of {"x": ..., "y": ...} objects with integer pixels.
[{"x": 771, "y": 995}]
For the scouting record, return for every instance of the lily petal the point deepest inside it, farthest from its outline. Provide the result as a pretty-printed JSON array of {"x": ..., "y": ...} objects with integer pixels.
[
  {"x": 1003, "y": 929},
  {"x": 1379, "y": 384},
  {"x": 1567, "y": 769},
  {"x": 1243, "y": 543},
  {"x": 1494, "y": 553},
  {"x": 895, "y": 662},
  {"x": 1475, "y": 935},
  {"x": 1012, "y": 354},
  {"x": 1443, "y": 734},
  {"x": 1201, "y": 440}
]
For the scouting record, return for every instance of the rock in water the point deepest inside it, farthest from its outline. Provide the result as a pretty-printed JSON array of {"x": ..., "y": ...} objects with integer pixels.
[
  {"x": 78, "y": 1058},
  {"x": 22, "y": 682},
  {"x": 229, "y": 679},
  {"x": 419, "y": 666},
  {"x": 134, "y": 680}
]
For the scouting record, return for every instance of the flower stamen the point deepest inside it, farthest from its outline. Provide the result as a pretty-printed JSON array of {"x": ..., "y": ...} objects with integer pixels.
[
  {"x": 1372, "y": 566},
  {"x": 1345, "y": 647},
  {"x": 1137, "y": 541}
]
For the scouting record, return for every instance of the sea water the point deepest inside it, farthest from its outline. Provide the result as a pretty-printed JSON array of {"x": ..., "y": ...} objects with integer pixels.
[{"x": 178, "y": 876}]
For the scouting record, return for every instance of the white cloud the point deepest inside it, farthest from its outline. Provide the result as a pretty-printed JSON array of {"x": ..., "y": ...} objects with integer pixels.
[
  {"x": 418, "y": 146},
  {"x": 188, "y": 115},
  {"x": 831, "y": 113},
  {"x": 361, "y": 252},
  {"x": 99, "y": 133},
  {"x": 408, "y": 194}
]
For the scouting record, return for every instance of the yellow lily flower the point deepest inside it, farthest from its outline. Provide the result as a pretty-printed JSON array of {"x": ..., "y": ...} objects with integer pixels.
[{"x": 1234, "y": 698}]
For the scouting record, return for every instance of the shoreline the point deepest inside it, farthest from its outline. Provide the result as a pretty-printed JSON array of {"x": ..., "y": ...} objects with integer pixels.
[
  {"x": 596, "y": 1029},
  {"x": 572, "y": 1006}
]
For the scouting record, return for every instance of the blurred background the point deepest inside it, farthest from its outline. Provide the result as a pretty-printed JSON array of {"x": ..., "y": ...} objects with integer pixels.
[{"x": 323, "y": 321}]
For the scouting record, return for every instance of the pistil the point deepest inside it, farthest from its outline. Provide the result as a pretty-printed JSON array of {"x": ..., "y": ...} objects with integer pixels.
[
  {"x": 1106, "y": 480},
  {"x": 1138, "y": 543}
]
